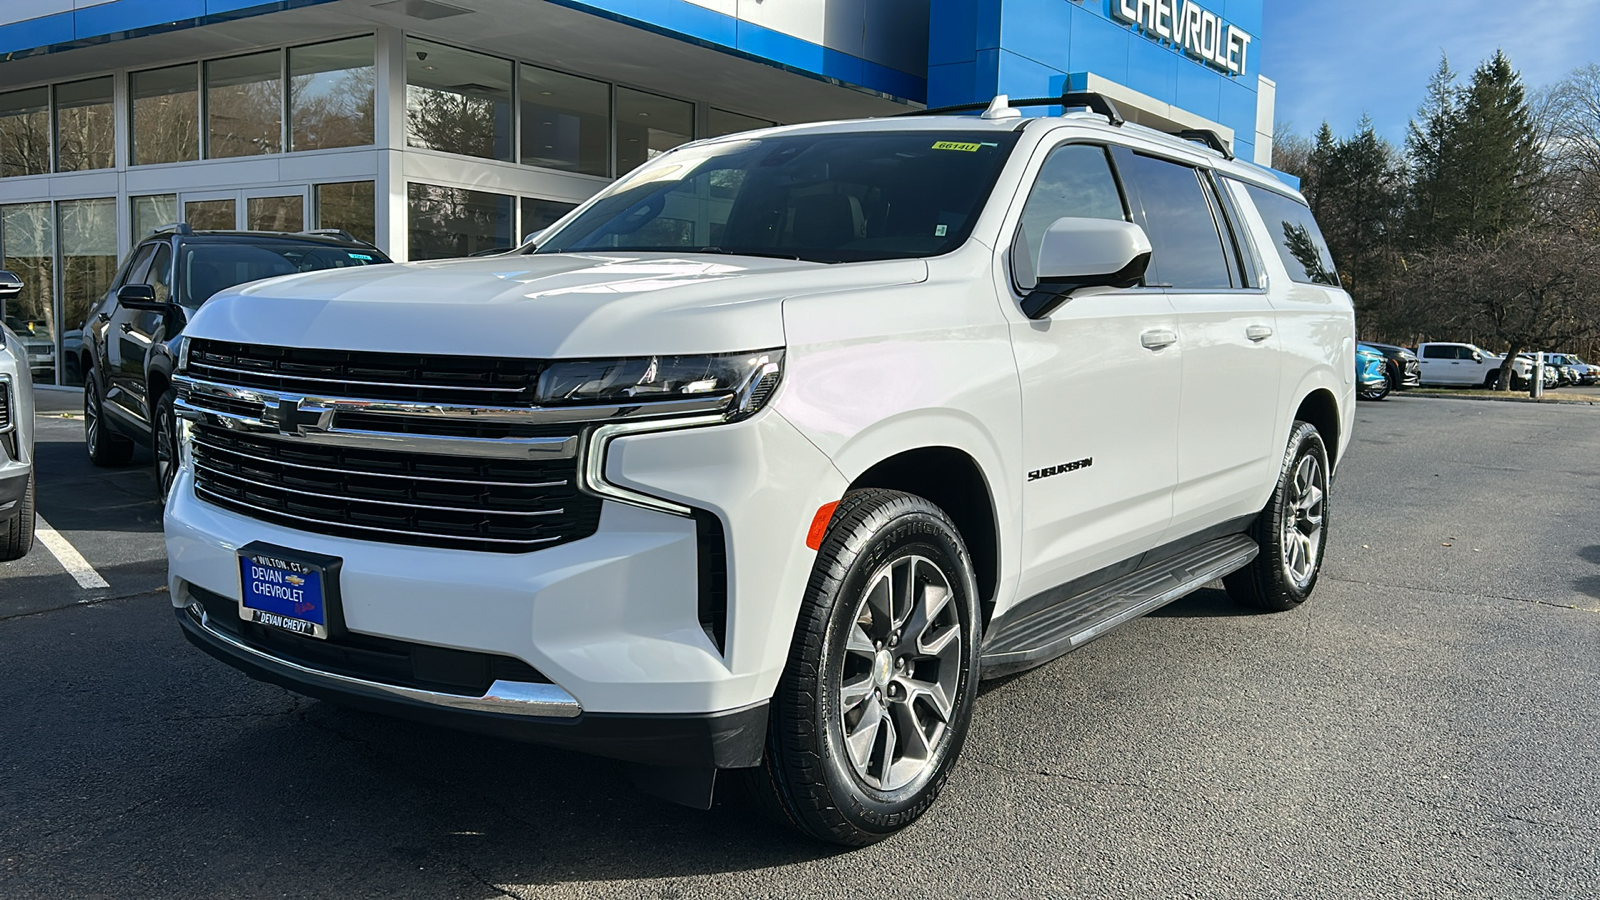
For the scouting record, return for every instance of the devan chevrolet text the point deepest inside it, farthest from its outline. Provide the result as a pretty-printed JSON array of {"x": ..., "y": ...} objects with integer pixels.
[{"x": 758, "y": 461}]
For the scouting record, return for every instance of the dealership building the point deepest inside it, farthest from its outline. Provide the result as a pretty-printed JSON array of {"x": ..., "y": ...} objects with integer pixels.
[{"x": 438, "y": 128}]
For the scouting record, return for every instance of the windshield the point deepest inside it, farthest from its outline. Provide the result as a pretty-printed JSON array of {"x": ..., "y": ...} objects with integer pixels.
[
  {"x": 205, "y": 269},
  {"x": 818, "y": 197}
]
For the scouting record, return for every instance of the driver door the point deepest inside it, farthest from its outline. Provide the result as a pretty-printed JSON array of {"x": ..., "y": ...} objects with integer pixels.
[
  {"x": 129, "y": 337},
  {"x": 1100, "y": 380}
]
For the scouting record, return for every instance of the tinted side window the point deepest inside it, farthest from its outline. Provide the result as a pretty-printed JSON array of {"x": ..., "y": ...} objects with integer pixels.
[
  {"x": 1075, "y": 181},
  {"x": 134, "y": 273},
  {"x": 1434, "y": 351},
  {"x": 160, "y": 275},
  {"x": 1178, "y": 217},
  {"x": 1297, "y": 237}
]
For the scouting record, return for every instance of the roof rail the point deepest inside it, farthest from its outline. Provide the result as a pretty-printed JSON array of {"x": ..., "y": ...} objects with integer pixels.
[
  {"x": 173, "y": 228},
  {"x": 1090, "y": 100},
  {"x": 1208, "y": 137},
  {"x": 339, "y": 233}
]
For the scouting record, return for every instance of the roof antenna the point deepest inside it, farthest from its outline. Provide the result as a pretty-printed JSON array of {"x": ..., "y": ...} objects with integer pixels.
[{"x": 1000, "y": 108}]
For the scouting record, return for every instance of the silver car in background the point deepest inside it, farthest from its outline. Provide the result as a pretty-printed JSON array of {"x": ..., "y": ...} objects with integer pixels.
[{"x": 16, "y": 436}]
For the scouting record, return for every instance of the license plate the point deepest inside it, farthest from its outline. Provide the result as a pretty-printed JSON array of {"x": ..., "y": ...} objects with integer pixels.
[{"x": 288, "y": 590}]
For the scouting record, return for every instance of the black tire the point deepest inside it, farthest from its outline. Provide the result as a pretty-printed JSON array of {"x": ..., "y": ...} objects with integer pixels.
[
  {"x": 810, "y": 780},
  {"x": 1283, "y": 575},
  {"x": 105, "y": 447},
  {"x": 164, "y": 445},
  {"x": 16, "y": 527}
]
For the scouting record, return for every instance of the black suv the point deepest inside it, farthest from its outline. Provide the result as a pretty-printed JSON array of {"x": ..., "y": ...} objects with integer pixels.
[{"x": 129, "y": 344}]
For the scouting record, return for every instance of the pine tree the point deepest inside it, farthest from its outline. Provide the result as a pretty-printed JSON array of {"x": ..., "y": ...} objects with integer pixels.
[
  {"x": 1428, "y": 143},
  {"x": 1497, "y": 167}
]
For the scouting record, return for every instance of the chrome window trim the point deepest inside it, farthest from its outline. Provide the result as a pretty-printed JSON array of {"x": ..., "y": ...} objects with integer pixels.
[{"x": 517, "y": 698}]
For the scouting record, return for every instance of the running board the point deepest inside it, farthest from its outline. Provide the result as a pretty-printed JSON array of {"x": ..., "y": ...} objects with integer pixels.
[{"x": 1044, "y": 634}]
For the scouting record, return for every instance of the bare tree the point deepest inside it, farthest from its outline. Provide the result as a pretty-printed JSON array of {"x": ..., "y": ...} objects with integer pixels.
[{"x": 1526, "y": 289}]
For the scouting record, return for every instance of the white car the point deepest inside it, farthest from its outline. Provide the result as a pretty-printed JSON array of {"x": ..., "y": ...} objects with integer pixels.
[
  {"x": 16, "y": 436},
  {"x": 1458, "y": 364},
  {"x": 765, "y": 455}
]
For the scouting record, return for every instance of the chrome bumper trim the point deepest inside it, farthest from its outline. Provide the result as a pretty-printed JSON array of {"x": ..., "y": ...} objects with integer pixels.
[{"x": 516, "y": 698}]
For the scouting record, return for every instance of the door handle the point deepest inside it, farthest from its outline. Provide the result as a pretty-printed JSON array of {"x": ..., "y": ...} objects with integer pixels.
[
  {"x": 1258, "y": 333},
  {"x": 1158, "y": 338}
]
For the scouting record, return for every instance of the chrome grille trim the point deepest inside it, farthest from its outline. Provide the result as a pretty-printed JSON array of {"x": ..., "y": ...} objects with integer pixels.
[
  {"x": 204, "y": 444},
  {"x": 230, "y": 503},
  {"x": 496, "y": 448},
  {"x": 210, "y": 367},
  {"x": 214, "y": 471}
]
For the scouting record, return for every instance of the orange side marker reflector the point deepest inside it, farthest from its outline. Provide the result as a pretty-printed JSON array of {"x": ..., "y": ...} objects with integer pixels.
[{"x": 819, "y": 525}]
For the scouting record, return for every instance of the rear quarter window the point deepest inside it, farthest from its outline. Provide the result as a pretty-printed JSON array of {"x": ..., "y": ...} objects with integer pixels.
[{"x": 1296, "y": 236}]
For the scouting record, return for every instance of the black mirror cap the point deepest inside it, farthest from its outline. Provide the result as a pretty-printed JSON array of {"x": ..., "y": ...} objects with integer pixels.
[
  {"x": 10, "y": 284},
  {"x": 140, "y": 296},
  {"x": 1050, "y": 294}
]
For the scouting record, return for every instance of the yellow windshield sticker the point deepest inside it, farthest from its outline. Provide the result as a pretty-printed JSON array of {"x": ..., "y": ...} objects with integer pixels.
[{"x": 954, "y": 145}]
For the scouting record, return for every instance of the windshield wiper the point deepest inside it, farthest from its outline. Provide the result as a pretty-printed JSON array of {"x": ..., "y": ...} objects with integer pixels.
[{"x": 725, "y": 252}]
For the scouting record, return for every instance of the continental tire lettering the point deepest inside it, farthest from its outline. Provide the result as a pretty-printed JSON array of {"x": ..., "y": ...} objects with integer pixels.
[{"x": 1047, "y": 471}]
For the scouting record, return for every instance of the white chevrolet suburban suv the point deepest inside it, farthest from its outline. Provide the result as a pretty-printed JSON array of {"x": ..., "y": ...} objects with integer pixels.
[{"x": 760, "y": 459}]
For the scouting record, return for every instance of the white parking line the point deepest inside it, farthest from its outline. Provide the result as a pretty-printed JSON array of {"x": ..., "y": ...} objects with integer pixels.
[{"x": 67, "y": 555}]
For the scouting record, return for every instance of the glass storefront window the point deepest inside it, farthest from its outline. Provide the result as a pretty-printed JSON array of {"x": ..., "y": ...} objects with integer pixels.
[
  {"x": 457, "y": 101},
  {"x": 211, "y": 215},
  {"x": 349, "y": 205},
  {"x": 244, "y": 105},
  {"x": 537, "y": 215},
  {"x": 27, "y": 247},
  {"x": 152, "y": 212},
  {"x": 331, "y": 94},
  {"x": 275, "y": 213},
  {"x": 85, "y": 125},
  {"x": 720, "y": 122},
  {"x": 566, "y": 121},
  {"x": 448, "y": 222},
  {"x": 166, "y": 114},
  {"x": 649, "y": 125},
  {"x": 87, "y": 237},
  {"x": 25, "y": 132}
]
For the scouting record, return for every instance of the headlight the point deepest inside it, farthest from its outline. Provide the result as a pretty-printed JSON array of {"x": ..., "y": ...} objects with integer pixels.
[
  {"x": 747, "y": 378},
  {"x": 183, "y": 353}
]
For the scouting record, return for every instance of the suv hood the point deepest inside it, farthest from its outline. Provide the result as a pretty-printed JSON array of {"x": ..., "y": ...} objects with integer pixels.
[{"x": 538, "y": 306}]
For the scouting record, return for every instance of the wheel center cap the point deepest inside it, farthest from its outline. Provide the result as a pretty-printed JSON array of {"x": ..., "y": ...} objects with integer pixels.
[{"x": 882, "y": 668}]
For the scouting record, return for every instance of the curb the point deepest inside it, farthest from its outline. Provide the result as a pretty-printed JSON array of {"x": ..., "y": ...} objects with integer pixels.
[{"x": 1511, "y": 398}]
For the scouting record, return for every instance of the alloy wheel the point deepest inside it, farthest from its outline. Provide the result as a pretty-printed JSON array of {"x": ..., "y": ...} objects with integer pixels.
[
  {"x": 1301, "y": 534},
  {"x": 166, "y": 444},
  {"x": 91, "y": 417},
  {"x": 902, "y": 666}
]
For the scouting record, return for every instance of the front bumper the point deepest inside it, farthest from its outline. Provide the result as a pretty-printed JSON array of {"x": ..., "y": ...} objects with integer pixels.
[
  {"x": 538, "y": 713},
  {"x": 612, "y": 622}
]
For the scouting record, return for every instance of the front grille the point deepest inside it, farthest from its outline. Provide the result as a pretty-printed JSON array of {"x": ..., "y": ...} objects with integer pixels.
[
  {"x": 470, "y": 380},
  {"x": 394, "y": 496},
  {"x": 371, "y": 658}
]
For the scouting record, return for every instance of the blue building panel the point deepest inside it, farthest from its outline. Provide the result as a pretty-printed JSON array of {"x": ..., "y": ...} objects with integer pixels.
[
  {"x": 133, "y": 15},
  {"x": 1098, "y": 46}
]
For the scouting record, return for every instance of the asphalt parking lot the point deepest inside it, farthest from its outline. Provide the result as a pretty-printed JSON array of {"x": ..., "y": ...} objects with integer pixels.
[{"x": 1427, "y": 726}]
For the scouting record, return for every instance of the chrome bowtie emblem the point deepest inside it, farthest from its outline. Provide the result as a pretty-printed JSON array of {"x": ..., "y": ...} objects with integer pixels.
[{"x": 294, "y": 418}]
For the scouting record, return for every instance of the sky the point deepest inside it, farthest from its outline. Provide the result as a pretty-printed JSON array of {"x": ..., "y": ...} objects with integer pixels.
[{"x": 1334, "y": 60}]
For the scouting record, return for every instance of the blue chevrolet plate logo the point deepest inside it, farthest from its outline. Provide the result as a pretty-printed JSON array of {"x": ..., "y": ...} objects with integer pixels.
[{"x": 284, "y": 594}]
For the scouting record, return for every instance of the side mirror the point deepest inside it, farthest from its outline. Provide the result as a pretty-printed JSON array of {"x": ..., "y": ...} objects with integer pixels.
[
  {"x": 10, "y": 284},
  {"x": 141, "y": 297},
  {"x": 1476, "y": 356},
  {"x": 1083, "y": 253}
]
